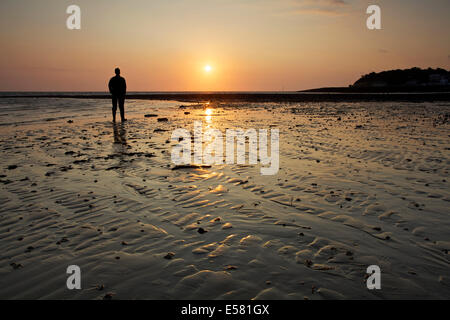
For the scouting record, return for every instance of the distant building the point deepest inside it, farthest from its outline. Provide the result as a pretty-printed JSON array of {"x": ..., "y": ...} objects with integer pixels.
[
  {"x": 434, "y": 79},
  {"x": 437, "y": 80}
]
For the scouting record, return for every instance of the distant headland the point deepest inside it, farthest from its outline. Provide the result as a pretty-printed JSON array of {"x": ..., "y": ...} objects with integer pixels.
[{"x": 407, "y": 80}]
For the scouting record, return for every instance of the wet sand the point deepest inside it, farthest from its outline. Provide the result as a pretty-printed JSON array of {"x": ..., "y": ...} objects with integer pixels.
[{"x": 359, "y": 184}]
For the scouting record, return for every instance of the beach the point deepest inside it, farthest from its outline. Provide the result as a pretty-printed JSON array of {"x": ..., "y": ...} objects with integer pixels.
[{"x": 359, "y": 183}]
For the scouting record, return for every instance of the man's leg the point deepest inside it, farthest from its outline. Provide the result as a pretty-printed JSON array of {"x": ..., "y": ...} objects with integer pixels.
[
  {"x": 122, "y": 108},
  {"x": 114, "y": 107}
]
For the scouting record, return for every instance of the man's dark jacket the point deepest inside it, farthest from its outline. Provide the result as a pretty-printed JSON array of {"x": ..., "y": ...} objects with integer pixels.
[{"x": 117, "y": 86}]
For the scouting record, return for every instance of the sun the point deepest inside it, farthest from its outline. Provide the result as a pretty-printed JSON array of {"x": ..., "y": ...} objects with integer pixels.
[{"x": 208, "y": 68}]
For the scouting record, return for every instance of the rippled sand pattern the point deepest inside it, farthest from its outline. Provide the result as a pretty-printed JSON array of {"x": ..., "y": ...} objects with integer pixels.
[{"x": 359, "y": 184}]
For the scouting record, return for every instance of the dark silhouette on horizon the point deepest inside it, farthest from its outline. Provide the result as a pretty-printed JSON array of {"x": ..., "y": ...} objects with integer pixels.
[
  {"x": 414, "y": 77},
  {"x": 413, "y": 80},
  {"x": 118, "y": 89}
]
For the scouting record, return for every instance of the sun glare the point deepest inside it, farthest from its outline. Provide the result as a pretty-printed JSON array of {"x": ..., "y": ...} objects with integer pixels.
[
  {"x": 208, "y": 115},
  {"x": 208, "y": 68}
]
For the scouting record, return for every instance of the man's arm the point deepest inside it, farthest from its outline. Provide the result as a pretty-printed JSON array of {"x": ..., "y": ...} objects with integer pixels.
[
  {"x": 124, "y": 86},
  {"x": 110, "y": 86}
]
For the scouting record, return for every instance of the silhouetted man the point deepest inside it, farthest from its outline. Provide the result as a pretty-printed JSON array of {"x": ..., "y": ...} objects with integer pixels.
[{"x": 118, "y": 88}]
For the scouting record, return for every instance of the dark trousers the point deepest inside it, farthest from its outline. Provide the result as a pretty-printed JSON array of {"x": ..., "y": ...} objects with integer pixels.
[{"x": 121, "y": 101}]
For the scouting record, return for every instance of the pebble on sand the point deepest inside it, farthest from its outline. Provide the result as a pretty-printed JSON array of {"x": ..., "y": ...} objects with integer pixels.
[
  {"x": 108, "y": 296},
  {"x": 227, "y": 226},
  {"x": 169, "y": 255},
  {"x": 16, "y": 265}
]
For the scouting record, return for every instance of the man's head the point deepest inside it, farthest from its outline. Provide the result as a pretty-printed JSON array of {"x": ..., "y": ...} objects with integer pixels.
[{"x": 117, "y": 71}]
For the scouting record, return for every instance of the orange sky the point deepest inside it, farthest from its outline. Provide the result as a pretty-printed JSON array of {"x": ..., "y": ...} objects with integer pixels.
[{"x": 258, "y": 45}]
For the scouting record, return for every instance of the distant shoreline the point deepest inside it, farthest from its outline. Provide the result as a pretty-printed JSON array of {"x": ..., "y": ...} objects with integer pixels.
[
  {"x": 315, "y": 95},
  {"x": 382, "y": 89}
]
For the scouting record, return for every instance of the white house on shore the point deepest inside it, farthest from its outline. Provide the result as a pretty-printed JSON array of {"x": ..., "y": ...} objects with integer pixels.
[{"x": 437, "y": 80}]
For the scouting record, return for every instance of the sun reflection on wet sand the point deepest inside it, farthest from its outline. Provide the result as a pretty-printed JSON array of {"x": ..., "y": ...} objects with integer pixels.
[{"x": 208, "y": 117}]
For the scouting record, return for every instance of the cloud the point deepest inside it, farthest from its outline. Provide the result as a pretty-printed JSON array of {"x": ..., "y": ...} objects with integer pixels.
[
  {"x": 326, "y": 7},
  {"x": 47, "y": 69},
  {"x": 322, "y": 2},
  {"x": 301, "y": 7}
]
